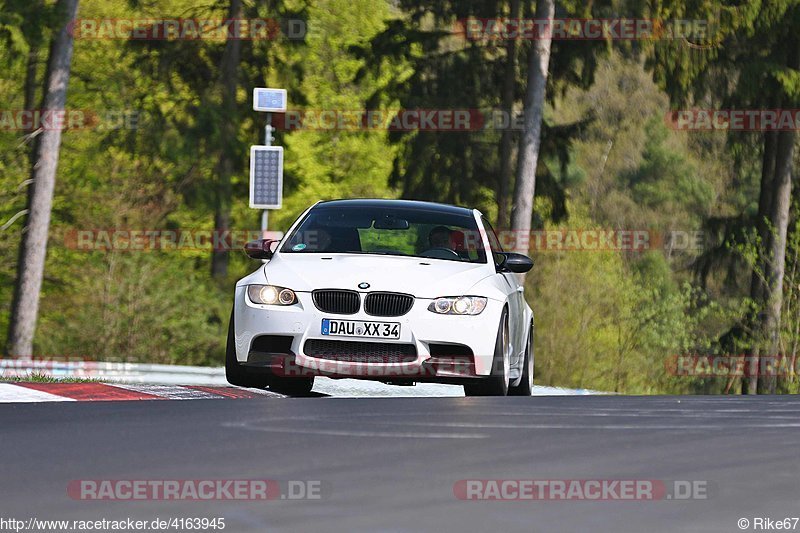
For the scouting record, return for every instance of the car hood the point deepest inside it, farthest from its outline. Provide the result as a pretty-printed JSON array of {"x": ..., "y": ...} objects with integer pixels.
[{"x": 420, "y": 277}]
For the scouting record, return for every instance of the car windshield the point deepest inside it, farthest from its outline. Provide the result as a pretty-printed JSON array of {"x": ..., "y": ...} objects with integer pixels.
[{"x": 388, "y": 231}]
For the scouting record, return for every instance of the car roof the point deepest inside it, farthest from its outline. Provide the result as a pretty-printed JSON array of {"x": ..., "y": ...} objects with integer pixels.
[{"x": 403, "y": 204}]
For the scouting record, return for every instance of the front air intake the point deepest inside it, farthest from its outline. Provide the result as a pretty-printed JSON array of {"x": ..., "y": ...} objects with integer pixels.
[{"x": 360, "y": 352}]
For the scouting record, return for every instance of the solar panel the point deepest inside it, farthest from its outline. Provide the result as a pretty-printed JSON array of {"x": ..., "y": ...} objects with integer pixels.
[{"x": 266, "y": 177}]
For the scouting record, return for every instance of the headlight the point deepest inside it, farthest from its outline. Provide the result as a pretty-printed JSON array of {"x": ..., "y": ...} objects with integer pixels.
[
  {"x": 271, "y": 295},
  {"x": 458, "y": 305}
]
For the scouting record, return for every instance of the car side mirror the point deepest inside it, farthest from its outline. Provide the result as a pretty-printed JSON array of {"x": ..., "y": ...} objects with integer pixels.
[
  {"x": 260, "y": 248},
  {"x": 517, "y": 263}
]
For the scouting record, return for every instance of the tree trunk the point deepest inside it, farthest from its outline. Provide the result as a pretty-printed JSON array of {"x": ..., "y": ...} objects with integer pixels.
[
  {"x": 525, "y": 188},
  {"x": 229, "y": 80},
  {"x": 775, "y": 262},
  {"x": 776, "y": 259},
  {"x": 757, "y": 287},
  {"x": 507, "y": 137},
  {"x": 33, "y": 249},
  {"x": 764, "y": 209}
]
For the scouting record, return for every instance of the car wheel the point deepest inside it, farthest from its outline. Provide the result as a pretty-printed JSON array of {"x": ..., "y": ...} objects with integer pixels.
[
  {"x": 525, "y": 386},
  {"x": 293, "y": 386},
  {"x": 235, "y": 373},
  {"x": 496, "y": 384}
]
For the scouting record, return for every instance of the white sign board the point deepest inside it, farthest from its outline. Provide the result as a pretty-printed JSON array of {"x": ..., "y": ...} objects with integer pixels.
[{"x": 269, "y": 100}]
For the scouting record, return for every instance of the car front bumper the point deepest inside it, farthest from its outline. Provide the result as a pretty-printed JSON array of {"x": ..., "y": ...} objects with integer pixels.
[{"x": 419, "y": 327}]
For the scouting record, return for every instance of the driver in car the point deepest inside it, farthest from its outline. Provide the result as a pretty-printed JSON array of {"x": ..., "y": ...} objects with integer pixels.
[{"x": 439, "y": 237}]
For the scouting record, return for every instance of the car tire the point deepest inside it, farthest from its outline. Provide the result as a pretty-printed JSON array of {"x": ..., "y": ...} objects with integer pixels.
[
  {"x": 235, "y": 373},
  {"x": 496, "y": 384},
  {"x": 293, "y": 386},
  {"x": 525, "y": 385}
]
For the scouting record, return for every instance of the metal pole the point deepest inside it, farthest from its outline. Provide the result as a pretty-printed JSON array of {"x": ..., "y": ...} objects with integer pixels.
[
  {"x": 267, "y": 142},
  {"x": 268, "y": 131}
]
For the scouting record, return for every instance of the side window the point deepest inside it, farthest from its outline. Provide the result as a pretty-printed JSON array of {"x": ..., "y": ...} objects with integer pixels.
[{"x": 494, "y": 242}]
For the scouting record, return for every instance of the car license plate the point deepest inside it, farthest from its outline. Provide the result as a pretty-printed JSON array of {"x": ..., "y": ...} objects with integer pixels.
[{"x": 359, "y": 328}]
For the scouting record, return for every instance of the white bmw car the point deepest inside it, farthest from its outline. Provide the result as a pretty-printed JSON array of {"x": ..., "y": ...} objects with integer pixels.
[{"x": 390, "y": 290}]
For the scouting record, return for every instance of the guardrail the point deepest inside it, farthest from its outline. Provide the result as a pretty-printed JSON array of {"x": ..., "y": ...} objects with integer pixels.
[
  {"x": 153, "y": 374},
  {"x": 120, "y": 372}
]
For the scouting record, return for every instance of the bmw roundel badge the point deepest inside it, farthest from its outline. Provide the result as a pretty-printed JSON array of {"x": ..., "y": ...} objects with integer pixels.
[{"x": 363, "y": 285}]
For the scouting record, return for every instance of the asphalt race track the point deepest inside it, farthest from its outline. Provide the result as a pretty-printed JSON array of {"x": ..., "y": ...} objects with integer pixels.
[{"x": 390, "y": 464}]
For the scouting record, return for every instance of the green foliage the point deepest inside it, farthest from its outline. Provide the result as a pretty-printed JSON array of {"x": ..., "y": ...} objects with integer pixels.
[
  {"x": 608, "y": 322},
  {"x": 627, "y": 166},
  {"x": 161, "y": 306},
  {"x": 790, "y": 325},
  {"x": 13, "y": 174},
  {"x": 605, "y": 320},
  {"x": 134, "y": 307},
  {"x": 39, "y": 377},
  {"x": 666, "y": 181},
  {"x": 450, "y": 72},
  {"x": 328, "y": 164}
]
